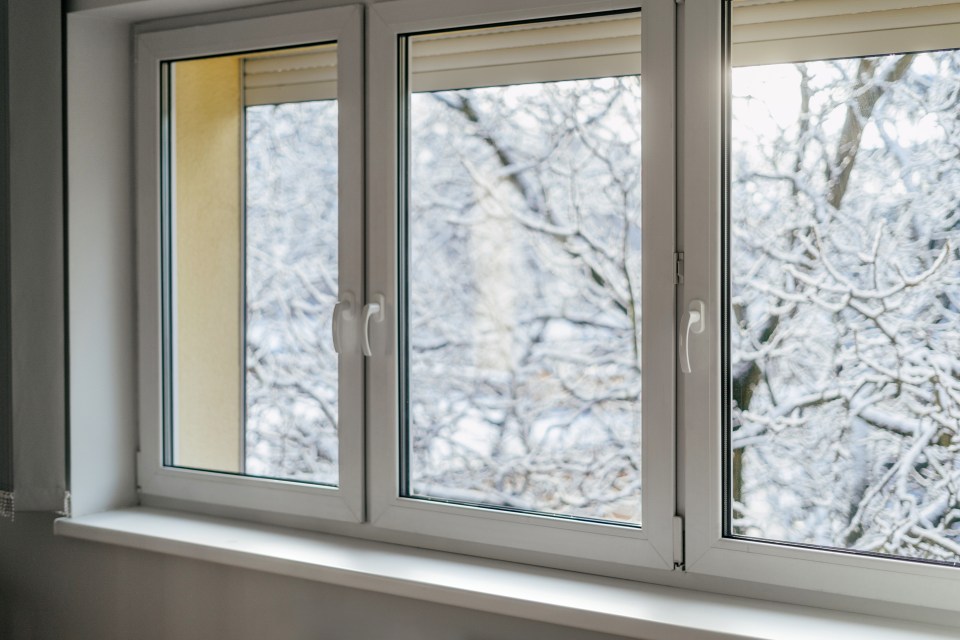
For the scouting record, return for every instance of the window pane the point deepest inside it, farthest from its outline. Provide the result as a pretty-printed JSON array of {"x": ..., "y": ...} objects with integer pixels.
[
  {"x": 844, "y": 321},
  {"x": 291, "y": 289},
  {"x": 523, "y": 282},
  {"x": 255, "y": 264}
]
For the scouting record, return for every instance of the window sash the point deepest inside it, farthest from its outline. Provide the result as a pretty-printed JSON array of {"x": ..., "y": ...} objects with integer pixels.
[
  {"x": 650, "y": 546},
  {"x": 170, "y": 485},
  {"x": 700, "y": 398}
]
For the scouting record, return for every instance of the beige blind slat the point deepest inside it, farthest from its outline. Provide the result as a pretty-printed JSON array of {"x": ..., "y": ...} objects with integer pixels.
[
  {"x": 292, "y": 77},
  {"x": 766, "y": 32},
  {"x": 543, "y": 52},
  {"x": 568, "y": 50},
  {"x": 291, "y": 62},
  {"x": 275, "y": 78},
  {"x": 754, "y": 11}
]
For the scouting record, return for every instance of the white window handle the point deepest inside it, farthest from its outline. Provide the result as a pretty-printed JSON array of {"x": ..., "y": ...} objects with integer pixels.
[
  {"x": 693, "y": 322},
  {"x": 371, "y": 310},
  {"x": 343, "y": 307}
]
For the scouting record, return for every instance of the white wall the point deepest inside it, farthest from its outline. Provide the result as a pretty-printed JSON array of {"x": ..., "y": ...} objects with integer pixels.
[
  {"x": 66, "y": 589},
  {"x": 101, "y": 265}
]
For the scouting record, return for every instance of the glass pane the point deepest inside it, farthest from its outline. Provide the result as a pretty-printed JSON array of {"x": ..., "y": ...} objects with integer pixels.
[
  {"x": 523, "y": 283},
  {"x": 255, "y": 264},
  {"x": 844, "y": 321},
  {"x": 291, "y": 289}
]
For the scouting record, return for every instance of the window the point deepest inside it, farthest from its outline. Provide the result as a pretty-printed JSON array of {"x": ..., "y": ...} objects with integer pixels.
[
  {"x": 256, "y": 195},
  {"x": 829, "y": 358},
  {"x": 522, "y": 365},
  {"x": 253, "y": 260},
  {"x": 505, "y": 415},
  {"x": 842, "y": 234},
  {"x": 535, "y": 291},
  {"x": 511, "y": 410}
]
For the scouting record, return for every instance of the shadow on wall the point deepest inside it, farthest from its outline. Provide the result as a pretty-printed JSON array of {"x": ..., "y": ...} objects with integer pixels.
[{"x": 64, "y": 589}]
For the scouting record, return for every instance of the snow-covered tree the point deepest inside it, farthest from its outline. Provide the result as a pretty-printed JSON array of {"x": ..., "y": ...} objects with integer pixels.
[
  {"x": 525, "y": 297},
  {"x": 290, "y": 291},
  {"x": 845, "y": 319}
]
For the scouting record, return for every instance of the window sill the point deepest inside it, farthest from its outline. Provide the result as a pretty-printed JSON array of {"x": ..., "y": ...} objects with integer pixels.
[{"x": 631, "y": 609}]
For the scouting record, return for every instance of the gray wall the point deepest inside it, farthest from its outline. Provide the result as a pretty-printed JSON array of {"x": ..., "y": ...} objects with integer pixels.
[
  {"x": 65, "y": 589},
  {"x": 37, "y": 318},
  {"x": 6, "y": 409}
]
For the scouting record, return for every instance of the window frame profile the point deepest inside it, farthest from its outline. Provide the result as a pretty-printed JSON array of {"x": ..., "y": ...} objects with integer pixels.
[
  {"x": 683, "y": 69},
  {"x": 629, "y": 548},
  {"x": 190, "y": 488},
  {"x": 708, "y": 552}
]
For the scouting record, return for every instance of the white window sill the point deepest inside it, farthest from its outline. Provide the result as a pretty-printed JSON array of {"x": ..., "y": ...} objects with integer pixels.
[{"x": 620, "y": 607}]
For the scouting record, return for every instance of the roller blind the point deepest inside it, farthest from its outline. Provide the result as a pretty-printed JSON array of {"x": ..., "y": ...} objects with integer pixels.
[
  {"x": 589, "y": 48},
  {"x": 764, "y": 32},
  {"x": 775, "y": 31},
  {"x": 299, "y": 77},
  {"x": 541, "y": 52}
]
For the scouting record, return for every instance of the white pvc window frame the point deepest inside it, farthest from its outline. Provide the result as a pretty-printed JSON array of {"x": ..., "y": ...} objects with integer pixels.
[
  {"x": 707, "y": 551},
  {"x": 344, "y": 26},
  {"x": 683, "y": 216},
  {"x": 650, "y": 546}
]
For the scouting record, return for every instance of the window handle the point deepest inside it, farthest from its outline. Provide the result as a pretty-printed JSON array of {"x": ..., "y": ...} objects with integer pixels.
[
  {"x": 692, "y": 322},
  {"x": 343, "y": 307},
  {"x": 371, "y": 310}
]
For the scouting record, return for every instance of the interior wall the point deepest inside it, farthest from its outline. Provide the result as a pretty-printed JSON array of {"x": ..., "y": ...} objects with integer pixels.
[
  {"x": 61, "y": 588},
  {"x": 6, "y": 412},
  {"x": 37, "y": 314},
  {"x": 100, "y": 210}
]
